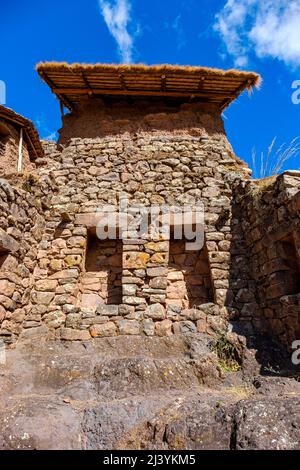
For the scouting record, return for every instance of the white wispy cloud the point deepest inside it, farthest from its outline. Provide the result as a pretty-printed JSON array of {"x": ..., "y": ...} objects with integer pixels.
[
  {"x": 269, "y": 28},
  {"x": 44, "y": 131},
  {"x": 117, "y": 16},
  {"x": 178, "y": 28}
]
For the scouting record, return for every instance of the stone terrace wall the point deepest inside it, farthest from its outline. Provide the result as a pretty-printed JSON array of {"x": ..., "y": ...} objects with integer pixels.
[{"x": 269, "y": 211}]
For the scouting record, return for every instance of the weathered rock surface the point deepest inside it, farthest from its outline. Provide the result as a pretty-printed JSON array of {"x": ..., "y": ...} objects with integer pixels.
[
  {"x": 140, "y": 392},
  {"x": 269, "y": 423}
]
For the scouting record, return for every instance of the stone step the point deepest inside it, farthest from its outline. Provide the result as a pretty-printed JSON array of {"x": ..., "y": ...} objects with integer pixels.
[
  {"x": 110, "y": 369},
  {"x": 139, "y": 393},
  {"x": 121, "y": 378}
]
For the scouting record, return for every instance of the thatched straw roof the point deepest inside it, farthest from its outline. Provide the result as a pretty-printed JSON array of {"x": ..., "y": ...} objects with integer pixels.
[
  {"x": 31, "y": 135},
  {"x": 72, "y": 81}
]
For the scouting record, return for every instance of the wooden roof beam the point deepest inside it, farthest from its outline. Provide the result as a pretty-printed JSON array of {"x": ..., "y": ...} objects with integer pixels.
[
  {"x": 64, "y": 99},
  {"x": 201, "y": 83},
  {"x": 235, "y": 95},
  {"x": 176, "y": 94},
  {"x": 30, "y": 142},
  {"x": 122, "y": 80},
  {"x": 84, "y": 78}
]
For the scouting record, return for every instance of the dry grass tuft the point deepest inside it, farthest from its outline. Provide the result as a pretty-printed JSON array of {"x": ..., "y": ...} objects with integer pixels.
[{"x": 272, "y": 162}]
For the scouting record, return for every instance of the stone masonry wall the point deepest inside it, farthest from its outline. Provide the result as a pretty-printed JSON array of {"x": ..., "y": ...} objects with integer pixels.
[
  {"x": 72, "y": 298},
  {"x": 65, "y": 283},
  {"x": 22, "y": 225},
  {"x": 271, "y": 226}
]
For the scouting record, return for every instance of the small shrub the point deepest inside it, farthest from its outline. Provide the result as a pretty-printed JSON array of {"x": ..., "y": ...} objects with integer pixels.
[
  {"x": 227, "y": 352},
  {"x": 29, "y": 182}
]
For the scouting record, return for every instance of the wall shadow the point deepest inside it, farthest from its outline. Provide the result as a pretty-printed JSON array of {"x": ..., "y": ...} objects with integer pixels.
[{"x": 3, "y": 257}]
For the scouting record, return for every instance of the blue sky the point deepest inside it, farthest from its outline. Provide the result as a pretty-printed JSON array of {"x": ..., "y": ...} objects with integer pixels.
[{"x": 263, "y": 36}]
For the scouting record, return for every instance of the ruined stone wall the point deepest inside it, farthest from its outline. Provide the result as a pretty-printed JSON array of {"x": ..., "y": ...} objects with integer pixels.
[
  {"x": 58, "y": 279},
  {"x": 22, "y": 224},
  {"x": 85, "y": 288},
  {"x": 269, "y": 214}
]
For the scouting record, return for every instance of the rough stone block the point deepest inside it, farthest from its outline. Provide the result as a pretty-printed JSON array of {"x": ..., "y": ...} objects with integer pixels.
[
  {"x": 131, "y": 300},
  {"x": 157, "y": 246},
  {"x": 158, "y": 283},
  {"x": 135, "y": 260},
  {"x": 102, "y": 330},
  {"x": 46, "y": 285},
  {"x": 129, "y": 289},
  {"x": 157, "y": 272},
  {"x": 65, "y": 274},
  {"x": 164, "y": 328},
  {"x": 44, "y": 298},
  {"x": 7, "y": 243},
  {"x": 7, "y": 288},
  {"x": 129, "y": 327},
  {"x": 159, "y": 258},
  {"x": 184, "y": 327},
  {"x": 68, "y": 334},
  {"x": 54, "y": 319},
  {"x": 155, "y": 311},
  {"x": 149, "y": 327},
  {"x": 107, "y": 310},
  {"x": 91, "y": 301}
]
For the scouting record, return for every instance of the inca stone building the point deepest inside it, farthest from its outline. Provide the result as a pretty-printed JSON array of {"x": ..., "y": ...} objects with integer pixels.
[{"x": 156, "y": 136}]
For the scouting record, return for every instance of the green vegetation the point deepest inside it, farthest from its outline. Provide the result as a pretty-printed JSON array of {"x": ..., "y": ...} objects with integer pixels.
[{"x": 228, "y": 354}]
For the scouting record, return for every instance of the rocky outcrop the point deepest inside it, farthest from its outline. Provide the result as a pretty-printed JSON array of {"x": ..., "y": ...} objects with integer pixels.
[{"x": 140, "y": 393}]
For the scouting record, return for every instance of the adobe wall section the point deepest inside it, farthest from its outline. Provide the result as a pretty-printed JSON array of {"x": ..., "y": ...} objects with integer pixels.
[
  {"x": 97, "y": 118},
  {"x": 9, "y": 150},
  {"x": 270, "y": 219}
]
